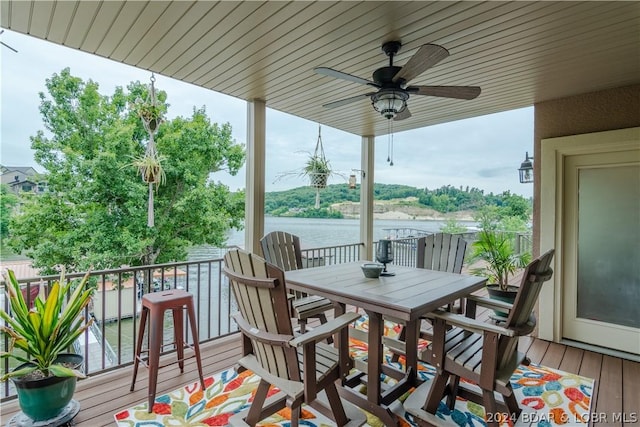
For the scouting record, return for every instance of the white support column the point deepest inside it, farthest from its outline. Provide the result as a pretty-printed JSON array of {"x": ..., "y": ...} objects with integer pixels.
[
  {"x": 254, "y": 193},
  {"x": 366, "y": 197}
]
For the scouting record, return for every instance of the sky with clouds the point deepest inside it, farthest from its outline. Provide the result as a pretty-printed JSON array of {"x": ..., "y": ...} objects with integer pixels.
[{"x": 482, "y": 152}]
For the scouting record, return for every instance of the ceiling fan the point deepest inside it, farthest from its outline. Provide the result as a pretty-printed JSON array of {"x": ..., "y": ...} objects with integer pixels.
[{"x": 390, "y": 99}]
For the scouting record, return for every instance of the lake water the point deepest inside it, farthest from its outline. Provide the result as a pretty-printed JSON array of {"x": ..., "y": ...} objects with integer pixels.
[{"x": 317, "y": 232}]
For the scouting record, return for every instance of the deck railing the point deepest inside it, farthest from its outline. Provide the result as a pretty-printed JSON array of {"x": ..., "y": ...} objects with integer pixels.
[
  {"x": 109, "y": 344},
  {"x": 115, "y": 307}
]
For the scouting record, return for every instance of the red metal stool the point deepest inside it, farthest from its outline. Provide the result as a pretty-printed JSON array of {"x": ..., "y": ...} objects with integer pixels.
[{"x": 155, "y": 304}]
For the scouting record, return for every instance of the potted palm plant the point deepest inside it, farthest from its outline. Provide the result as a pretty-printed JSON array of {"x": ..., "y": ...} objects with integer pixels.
[
  {"x": 46, "y": 378},
  {"x": 500, "y": 261}
]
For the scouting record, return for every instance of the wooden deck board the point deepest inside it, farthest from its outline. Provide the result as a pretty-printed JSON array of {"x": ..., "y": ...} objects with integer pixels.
[
  {"x": 553, "y": 356},
  {"x": 610, "y": 390},
  {"x": 631, "y": 391},
  {"x": 571, "y": 360},
  {"x": 537, "y": 350}
]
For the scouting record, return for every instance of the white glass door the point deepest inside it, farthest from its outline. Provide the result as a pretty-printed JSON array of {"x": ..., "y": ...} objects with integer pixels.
[{"x": 601, "y": 274}]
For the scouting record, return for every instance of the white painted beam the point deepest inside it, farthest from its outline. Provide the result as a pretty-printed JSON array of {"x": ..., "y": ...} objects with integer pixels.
[
  {"x": 366, "y": 196},
  {"x": 254, "y": 193}
]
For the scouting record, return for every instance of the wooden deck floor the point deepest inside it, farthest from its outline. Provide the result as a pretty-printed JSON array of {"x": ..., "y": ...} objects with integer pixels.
[{"x": 617, "y": 386}]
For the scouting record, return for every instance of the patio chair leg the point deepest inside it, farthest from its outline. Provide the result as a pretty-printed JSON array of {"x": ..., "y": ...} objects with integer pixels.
[
  {"x": 255, "y": 411},
  {"x": 436, "y": 392},
  {"x": 512, "y": 403},
  {"x": 178, "y": 333},
  {"x": 295, "y": 412},
  {"x": 490, "y": 408},
  {"x": 454, "y": 382},
  {"x": 336, "y": 405},
  {"x": 136, "y": 359}
]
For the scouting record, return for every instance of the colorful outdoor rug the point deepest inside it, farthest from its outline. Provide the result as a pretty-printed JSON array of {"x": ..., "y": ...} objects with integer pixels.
[{"x": 548, "y": 398}]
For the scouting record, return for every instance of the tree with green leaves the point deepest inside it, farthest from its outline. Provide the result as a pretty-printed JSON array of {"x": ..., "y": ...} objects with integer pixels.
[
  {"x": 95, "y": 212},
  {"x": 8, "y": 201}
]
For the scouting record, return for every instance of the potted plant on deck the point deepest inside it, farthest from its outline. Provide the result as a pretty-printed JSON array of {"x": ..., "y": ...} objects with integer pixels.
[
  {"x": 499, "y": 261},
  {"x": 46, "y": 378}
]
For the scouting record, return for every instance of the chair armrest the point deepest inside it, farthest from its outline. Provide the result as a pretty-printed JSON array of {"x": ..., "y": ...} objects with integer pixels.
[
  {"x": 260, "y": 336},
  {"x": 470, "y": 324},
  {"x": 325, "y": 330},
  {"x": 490, "y": 303}
]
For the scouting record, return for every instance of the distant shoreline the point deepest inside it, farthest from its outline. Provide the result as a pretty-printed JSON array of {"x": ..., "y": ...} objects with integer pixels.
[{"x": 395, "y": 210}]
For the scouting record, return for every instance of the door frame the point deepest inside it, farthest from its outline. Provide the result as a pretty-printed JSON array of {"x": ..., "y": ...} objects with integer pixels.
[{"x": 553, "y": 153}]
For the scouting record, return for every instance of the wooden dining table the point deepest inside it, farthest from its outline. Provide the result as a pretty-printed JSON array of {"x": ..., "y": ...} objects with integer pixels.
[{"x": 407, "y": 296}]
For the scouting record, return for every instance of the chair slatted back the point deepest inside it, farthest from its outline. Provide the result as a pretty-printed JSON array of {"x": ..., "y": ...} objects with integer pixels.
[
  {"x": 259, "y": 290},
  {"x": 441, "y": 252},
  {"x": 521, "y": 315},
  {"x": 282, "y": 249}
]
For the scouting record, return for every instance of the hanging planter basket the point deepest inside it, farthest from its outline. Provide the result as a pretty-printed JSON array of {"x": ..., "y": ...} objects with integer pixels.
[
  {"x": 152, "y": 175},
  {"x": 318, "y": 179},
  {"x": 150, "y": 163},
  {"x": 150, "y": 167},
  {"x": 317, "y": 167}
]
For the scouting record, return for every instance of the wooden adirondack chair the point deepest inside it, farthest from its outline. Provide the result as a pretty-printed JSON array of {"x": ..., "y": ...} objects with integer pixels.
[
  {"x": 283, "y": 249},
  {"x": 300, "y": 366},
  {"x": 484, "y": 353}
]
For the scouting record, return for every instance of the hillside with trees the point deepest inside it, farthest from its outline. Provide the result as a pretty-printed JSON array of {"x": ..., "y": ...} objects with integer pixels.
[{"x": 447, "y": 199}]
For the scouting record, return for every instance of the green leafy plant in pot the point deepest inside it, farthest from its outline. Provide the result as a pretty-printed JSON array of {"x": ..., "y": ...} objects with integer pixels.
[
  {"x": 318, "y": 170},
  {"x": 500, "y": 261},
  {"x": 46, "y": 379}
]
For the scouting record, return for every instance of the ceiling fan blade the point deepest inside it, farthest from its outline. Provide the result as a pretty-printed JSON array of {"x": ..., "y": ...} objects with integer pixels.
[
  {"x": 7, "y": 46},
  {"x": 405, "y": 114},
  {"x": 340, "y": 103},
  {"x": 426, "y": 57},
  {"x": 344, "y": 76},
  {"x": 458, "y": 92}
]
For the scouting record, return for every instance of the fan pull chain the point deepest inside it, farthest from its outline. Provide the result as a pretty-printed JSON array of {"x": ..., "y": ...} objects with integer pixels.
[
  {"x": 390, "y": 142},
  {"x": 391, "y": 162}
]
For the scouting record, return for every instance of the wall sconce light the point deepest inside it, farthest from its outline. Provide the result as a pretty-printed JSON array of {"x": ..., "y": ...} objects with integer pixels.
[
  {"x": 353, "y": 180},
  {"x": 526, "y": 170}
]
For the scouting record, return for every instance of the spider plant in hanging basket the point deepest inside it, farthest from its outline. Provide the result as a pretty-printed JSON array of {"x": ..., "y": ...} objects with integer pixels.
[
  {"x": 150, "y": 168},
  {"x": 318, "y": 170}
]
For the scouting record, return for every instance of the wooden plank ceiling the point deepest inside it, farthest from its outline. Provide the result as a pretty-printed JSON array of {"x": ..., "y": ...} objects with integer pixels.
[{"x": 520, "y": 53}]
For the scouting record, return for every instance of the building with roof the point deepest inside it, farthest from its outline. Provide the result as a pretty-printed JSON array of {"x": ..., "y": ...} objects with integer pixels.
[{"x": 21, "y": 179}]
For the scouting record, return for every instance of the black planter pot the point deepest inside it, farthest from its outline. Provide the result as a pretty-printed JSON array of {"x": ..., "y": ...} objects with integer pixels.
[
  {"x": 505, "y": 296},
  {"x": 46, "y": 398}
]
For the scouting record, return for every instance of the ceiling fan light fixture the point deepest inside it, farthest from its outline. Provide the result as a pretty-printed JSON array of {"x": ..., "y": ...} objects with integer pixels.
[{"x": 389, "y": 102}]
